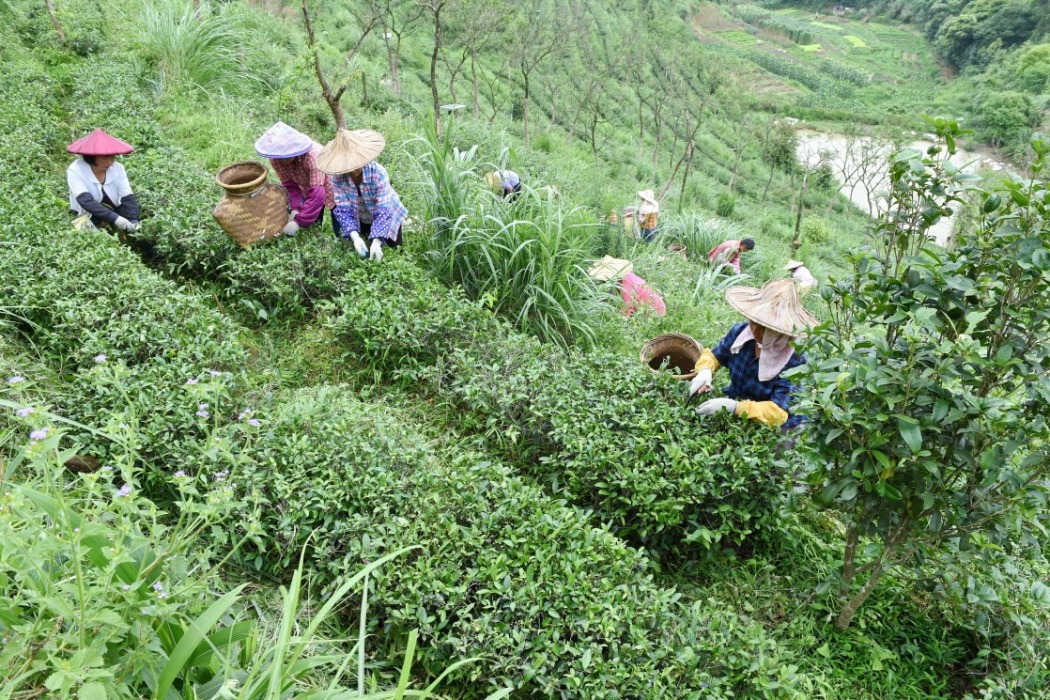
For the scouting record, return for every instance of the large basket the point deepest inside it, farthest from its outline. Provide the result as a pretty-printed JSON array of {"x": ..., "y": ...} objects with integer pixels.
[
  {"x": 252, "y": 209},
  {"x": 679, "y": 351}
]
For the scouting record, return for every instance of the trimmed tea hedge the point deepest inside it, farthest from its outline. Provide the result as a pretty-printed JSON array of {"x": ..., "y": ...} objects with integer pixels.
[
  {"x": 557, "y": 607},
  {"x": 598, "y": 426}
]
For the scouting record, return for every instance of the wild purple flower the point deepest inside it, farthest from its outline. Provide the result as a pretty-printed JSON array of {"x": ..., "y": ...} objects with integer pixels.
[
  {"x": 99, "y": 359},
  {"x": 214, "y": 373},
  {"x": 202, "y": 406},
  {"x": 76, "y": 529},
  {"x": 254, "y": 422},
  {"x": 244, "y": 414},
  {"x": 179, "y": 474},
  {"x": 16, "y": 379},
  {"x": 125, "y": 490},
  {"x": 191, "y": 381},
  {"x": 107, "y": 469},
  {"x": 202, "y": 413},
  {"x": 127, "y": 587},
  {"x": 158, "y": 586},
  {"x": 39, "y": 434},
  {"x": 162, "y": 596},
  {"x": 23, "y": 412}
]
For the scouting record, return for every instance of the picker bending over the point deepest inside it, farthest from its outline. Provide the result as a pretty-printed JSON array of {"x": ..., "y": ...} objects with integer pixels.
[
  {"x": 98, "y": 185},
  {"x": 365, "y": 203},
  {"x": 757, "y": 354},
  {"x": 293, "y": 156}
]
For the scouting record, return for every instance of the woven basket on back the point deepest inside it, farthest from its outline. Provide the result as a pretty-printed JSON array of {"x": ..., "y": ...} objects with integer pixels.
[
  {"x": 679, "y": 351},
  {"x": 251, "y": 209}
]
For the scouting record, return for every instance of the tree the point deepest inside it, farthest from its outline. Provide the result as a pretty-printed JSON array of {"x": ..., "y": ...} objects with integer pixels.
[
  {"x": 1006, "y": 116},
  {"x": 397, "y": 18},
  {"x": 1033, "y": 68},
  {"x": 929, "y": 405},
  {"x": 435, "y": 7},
  {"x": 955, "y": 39},
  {"x": 56, "y": 24},
  {"x": 479, "y": 24},
  {"x": 539, "y": 31},
  {"x": 779, "y": 147}
]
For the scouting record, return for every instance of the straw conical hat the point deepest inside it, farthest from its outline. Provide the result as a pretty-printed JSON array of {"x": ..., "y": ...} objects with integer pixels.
[
  {"x": 350, "y": 150},
  {"x": 648, "y": 196},
  {"x": 792, "y": 264},
  {"x": 99, "y": 143},
  {"x": 609, "y": 268},
  {"x": 776, "y": 306}
]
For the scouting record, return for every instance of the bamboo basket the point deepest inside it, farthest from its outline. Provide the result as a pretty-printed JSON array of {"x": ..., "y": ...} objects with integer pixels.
[
  {"x": 251, "y": 209},
  {"x": 679, "y": 351}
]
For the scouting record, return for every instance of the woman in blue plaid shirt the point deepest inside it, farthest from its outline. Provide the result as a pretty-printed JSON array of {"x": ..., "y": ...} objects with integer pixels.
[
  {"x": 366, "y": 206},
  {"x": 757, "y": 354}
]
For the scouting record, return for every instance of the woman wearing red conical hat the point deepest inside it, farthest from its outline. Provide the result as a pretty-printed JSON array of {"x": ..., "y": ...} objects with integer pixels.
[{"x": 98, "y": 184}]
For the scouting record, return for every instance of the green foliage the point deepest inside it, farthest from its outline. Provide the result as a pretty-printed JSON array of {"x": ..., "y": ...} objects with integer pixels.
[
  {"x": 556, "y": 605},
  {"x": 815, "y": 231},
  {"x": 928, "y": 407},
  {"x": 192, "y": 47},
  {"x": 1033, "y": 68},
  {"x": 527, "y": 256},
  {"x": 698, "y": 233},
  {"x": 1006, "y": 116},
  {"x": 726, "y": 205},
  {"x": 814, "y": 80}
]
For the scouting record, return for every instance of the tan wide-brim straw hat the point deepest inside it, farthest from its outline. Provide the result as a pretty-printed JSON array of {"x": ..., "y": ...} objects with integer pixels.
[
  {"x": 648, "y": 196},
  {"x": 776, "y": 306},
  {"x": 792, "y": 264},
  {"x": 350, "y": 150},
  {"x": 610, "y": 268}
]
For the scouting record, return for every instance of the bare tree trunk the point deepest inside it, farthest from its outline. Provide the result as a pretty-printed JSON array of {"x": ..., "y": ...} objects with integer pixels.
[
  {"x": 330, "y": 96},
  {"x": 796, "y": 243},
  {"x": 433, "y": 69},
  {"x": 525, "y": 107},
  {"x": 772, "y": 171},
  {"x": 474, "y": 77},
  {"x": 56, "y": 24},
  {"x": 846, "y": 614}
]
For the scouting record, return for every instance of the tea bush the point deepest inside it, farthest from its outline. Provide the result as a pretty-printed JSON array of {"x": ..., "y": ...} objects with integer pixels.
[
  {"x": 596, "y": 425},
  {"x": 558, "y": 607}
]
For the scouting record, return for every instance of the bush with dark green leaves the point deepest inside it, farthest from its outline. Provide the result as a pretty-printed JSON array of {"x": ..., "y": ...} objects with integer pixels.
[
  {"x": 558, "y": 607},
  {"x": 597, "y": 426}
]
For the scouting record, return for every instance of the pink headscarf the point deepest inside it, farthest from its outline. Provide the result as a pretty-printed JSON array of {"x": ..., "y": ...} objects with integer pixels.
[
  {"x": 776, "y": 351},
  {"x": 636, "y": 292}
]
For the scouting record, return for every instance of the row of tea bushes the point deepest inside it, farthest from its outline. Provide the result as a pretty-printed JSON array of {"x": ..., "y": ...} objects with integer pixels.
[
  {"x": 597, "y": 426},
  {"x": 559, "y": 607}
]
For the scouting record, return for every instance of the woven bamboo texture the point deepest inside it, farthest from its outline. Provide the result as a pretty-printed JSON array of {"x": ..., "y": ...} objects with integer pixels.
[
  {"x": 251, "y": 209},
  {"x": 679, "y": 351}
]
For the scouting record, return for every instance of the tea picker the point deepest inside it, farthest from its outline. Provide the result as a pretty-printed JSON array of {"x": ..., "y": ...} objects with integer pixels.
[
  {"x": 506, "y": 182},
  {"x": 635, "y": 293},
  {"x": 293, "y": 156},
  {"x": 366, "y": 206},
  {"x": 757, "y": 354},
  {"x": 99, "y": 191},
  {"x": 728, "y": 253},
  {"x": 801, "y": 274}
]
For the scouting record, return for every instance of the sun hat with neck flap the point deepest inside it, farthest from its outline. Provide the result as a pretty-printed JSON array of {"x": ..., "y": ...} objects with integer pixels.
[
  {"x": 350, "y": 150},
  {"x": 282, "y": 141},
  {"x": 776, "y": 306},
  {"x": 99, "y": 143}
]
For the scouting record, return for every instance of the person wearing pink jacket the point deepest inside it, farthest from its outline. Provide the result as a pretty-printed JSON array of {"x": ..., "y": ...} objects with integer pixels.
[{"x": 728, "y": 253}]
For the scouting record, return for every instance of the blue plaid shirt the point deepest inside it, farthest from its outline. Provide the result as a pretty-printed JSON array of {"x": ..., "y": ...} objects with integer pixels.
[
  {"x": 743, "y": 372},
  {"x": 377, "y": 197}
]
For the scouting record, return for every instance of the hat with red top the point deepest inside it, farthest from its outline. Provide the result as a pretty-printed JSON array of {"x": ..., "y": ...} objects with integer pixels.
[{"x": 99, "y": 143}]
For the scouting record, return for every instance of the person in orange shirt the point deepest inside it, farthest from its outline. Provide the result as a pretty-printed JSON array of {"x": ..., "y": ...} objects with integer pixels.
[{"x": 647, "y": 215}]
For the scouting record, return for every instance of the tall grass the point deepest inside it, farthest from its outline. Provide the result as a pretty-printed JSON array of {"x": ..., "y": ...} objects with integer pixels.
[
  {"x": 698, "y": 233},
  {"x": 527, "y": 257},
  {"x": 193, "y": 48}
]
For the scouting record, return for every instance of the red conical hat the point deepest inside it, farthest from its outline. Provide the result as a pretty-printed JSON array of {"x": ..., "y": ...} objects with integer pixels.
[{"x": 99, "y": 143}]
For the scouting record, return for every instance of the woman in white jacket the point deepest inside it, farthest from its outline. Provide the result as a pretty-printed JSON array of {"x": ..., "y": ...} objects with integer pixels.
[{"x": 98, "y": 184}]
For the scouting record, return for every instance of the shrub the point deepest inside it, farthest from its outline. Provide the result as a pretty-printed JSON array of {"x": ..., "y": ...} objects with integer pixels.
[
  {"x": 558, "y": 607},
  {"x": 815, "y": 231},
  {"x": 726, "y": 205},
  {"x": 595, "y": 424}
]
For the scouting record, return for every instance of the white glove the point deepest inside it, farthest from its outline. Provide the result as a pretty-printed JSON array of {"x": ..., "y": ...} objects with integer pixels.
[
  {"x": 290, "y": 228},
  {"x": 701, "y": 383},
  {"x": 124, "y": 225},
  {"x": 359, "y": 244},
  {"x": 295, "y": 213},
  {"x": 713, "y": 406},
  {"x": 376, "y": 250}
]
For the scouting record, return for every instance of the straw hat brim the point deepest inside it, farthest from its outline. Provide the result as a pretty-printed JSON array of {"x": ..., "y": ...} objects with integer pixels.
[
  {"x": 609, "y": 268},
  {"x": 792, "y": 264},
  {"x": 776, "y": 306},
  {"x": 350, "y": 150},
  {"x": 648, "y": 196}
]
